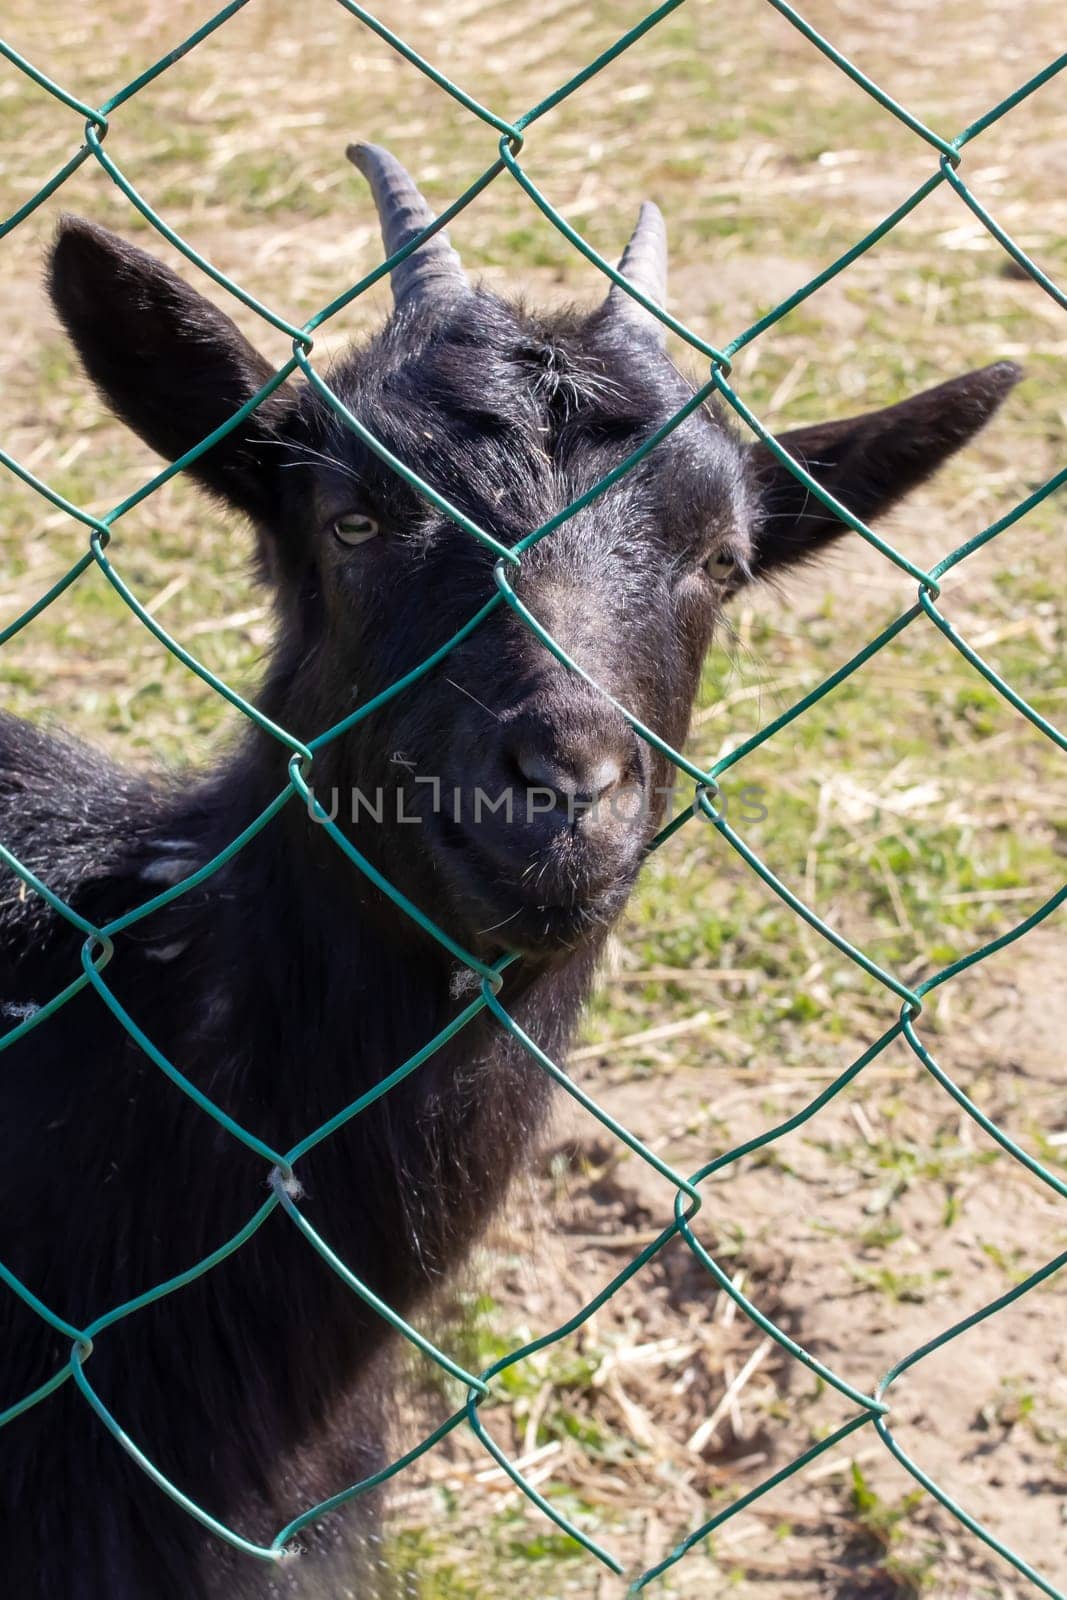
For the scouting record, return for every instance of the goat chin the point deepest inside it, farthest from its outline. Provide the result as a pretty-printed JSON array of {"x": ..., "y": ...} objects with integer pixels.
[{"x": 559, "y": 900}]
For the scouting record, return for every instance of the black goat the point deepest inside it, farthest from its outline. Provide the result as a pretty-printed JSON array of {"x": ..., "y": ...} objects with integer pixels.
[{"x": 286, "y": 983}]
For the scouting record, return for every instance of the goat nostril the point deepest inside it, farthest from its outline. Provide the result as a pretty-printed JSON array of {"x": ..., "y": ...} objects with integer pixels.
[
  {"x": 604, "y": 776},
  {"x": 536, "y": 769},
  {"x": 570, "y": 778}
]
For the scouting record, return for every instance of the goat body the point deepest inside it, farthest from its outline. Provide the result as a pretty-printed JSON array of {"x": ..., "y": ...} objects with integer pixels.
[{"x": 282, "y": 1007}]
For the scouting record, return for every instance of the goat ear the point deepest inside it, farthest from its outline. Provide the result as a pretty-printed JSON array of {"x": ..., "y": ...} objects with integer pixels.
[
  {"x": 868, "y": 463},
  {"x": 167, "y": 361}
]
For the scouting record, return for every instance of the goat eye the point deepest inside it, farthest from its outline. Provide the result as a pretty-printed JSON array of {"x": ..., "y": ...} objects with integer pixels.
[
  {"x": 355, "y": 529},
  {"x": 720, "y": 567}
]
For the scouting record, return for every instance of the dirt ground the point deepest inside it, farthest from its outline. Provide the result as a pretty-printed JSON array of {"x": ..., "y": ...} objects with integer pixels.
[{"x": 716, "y": 1407}]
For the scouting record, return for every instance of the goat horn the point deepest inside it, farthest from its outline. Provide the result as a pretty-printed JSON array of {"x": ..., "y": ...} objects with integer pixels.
[
  {"x": 644, "y": 263},
  {"x": 434, "y": 271}
]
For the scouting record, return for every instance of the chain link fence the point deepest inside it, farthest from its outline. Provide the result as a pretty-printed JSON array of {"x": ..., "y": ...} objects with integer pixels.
[{"x": 870, "y": 1411}]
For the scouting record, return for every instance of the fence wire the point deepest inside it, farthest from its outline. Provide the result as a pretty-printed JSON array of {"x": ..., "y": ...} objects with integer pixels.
[{"x": 296, "y": 760}]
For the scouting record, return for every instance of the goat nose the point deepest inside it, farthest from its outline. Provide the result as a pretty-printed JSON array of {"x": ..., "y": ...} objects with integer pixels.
[{"x": 588, "y": 773}]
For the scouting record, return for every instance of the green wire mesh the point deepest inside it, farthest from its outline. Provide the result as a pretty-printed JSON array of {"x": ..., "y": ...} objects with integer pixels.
[{"x": 296, "y": 765}]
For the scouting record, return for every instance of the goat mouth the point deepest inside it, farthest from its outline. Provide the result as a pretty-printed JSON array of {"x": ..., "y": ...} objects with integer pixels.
[{"x": 517, "y": 909}]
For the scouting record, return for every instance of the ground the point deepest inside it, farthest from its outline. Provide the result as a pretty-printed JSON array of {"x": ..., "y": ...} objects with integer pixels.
[{"x": 914, "y": 809}]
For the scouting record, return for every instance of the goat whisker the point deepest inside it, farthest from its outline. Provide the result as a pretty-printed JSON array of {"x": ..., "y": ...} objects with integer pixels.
[
  {"x": 305, "y": 455},
  {"x": 488, "y": 711},
  {"x": 494, "y": 926}
]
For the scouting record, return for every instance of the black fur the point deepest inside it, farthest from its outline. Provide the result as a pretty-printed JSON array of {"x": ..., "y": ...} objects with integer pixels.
[{"x": 285, "y": 984}]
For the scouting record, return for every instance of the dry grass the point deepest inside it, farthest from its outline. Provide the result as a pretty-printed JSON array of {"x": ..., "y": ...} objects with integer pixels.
[{"x": 912, "y": 809}]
